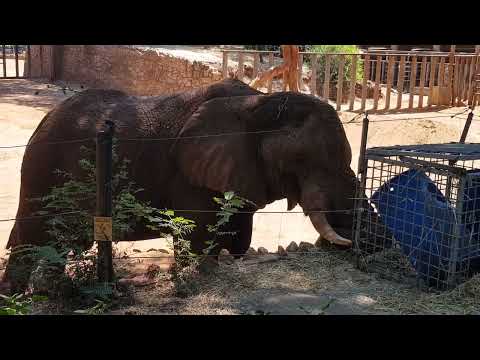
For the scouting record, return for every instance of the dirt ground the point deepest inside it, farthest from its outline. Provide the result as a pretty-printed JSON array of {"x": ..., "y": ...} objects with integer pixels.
[{"x": 271, "y": 285}]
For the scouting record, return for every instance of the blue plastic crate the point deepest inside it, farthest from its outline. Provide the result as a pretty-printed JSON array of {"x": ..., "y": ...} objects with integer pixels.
[{"x": 424, "y": 223}]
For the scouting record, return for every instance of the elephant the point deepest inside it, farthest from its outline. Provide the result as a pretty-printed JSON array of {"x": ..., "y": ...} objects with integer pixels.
[{"x": 264, "y": 147}]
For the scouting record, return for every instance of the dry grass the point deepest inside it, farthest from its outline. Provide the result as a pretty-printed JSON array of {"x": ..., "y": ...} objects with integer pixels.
[{"x": 231, "y": 289}]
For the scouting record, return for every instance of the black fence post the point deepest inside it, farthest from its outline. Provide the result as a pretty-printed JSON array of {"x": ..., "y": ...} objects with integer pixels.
[
  {"x": 360, "y": 189},
  {"x": 466, "y": 127},
  {"x": 103, "y": 222}
]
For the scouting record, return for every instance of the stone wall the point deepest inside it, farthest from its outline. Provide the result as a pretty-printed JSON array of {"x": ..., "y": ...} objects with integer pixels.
[{"x": 135, "y": 71}]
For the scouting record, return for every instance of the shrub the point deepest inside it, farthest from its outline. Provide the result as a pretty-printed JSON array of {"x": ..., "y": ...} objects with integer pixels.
[
  {"x": 335, "y": 60},
  {"x": 71, "y": 237}
]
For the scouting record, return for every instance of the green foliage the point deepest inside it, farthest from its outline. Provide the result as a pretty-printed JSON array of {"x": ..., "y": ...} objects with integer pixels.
[
  {"x": 71, "y": 236},
  {"x": 335, "y": 60},
  {"x": 229, "y": 206},
  {"x": 19, "y": 304},
  {"x": 99, "y": 308},
  {"x": 186, "y": 261}
]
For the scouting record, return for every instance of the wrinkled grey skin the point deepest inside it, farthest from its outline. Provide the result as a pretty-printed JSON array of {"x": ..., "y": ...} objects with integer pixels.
[{"x": 301, "y": 154}]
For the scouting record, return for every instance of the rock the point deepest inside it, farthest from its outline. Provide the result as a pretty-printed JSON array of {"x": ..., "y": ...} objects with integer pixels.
[
  {"x": 281, "y": 251},
  {"x": 140, "y": 280},
  {"x": 225, "y": 257},
  {"x": 251, "y": 253},
  {"x": 150, "y": 250},
  {"x": 262, "y": 251},
  {"x": 305, "y": 247},
  {"x": 136, "y": 251},
  {"x": 321, "y": 243},
  {"x": 292, "y": 247},
  {"x": 224, "y": 252}
]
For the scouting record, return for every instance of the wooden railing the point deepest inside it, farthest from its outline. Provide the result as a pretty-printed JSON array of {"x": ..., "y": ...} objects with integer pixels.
[
  {"x": 389, "y": 80},
  {"x": 13, "y": 54}
]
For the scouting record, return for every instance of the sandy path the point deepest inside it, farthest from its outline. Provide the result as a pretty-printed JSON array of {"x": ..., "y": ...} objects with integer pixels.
[{"x": 21, "y": 111}]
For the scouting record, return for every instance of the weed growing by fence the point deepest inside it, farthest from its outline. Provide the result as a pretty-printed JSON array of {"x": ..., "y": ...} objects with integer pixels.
[
  {"x": 71, "y": 237},
  {"x": 186, "y": 262},
  {"x": 18, "y": 304}
]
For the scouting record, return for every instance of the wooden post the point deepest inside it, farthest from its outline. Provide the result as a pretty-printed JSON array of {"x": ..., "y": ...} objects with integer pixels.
[
  {"x": 433, "y": 68},
  {"x": 4, "y": 60},
  {"x": 476, "y": 87},
  {"x": 29, "y": 57},
  {"x": 466, "y": 72},
  {"x": 341, "y": 65},
  {"x": 461, "y": 76},
  {"x": 41, "y": 60},
  {"x": 300, "y": 71},
  {"x": 456, "y": 76},
  {"x": 390, "y": 68},
  {"x": 353, "y": 82},
  {"x": 16, "y": 61},
  {"x": 471, "y": 73},
  {"x": 326, "y": 83},
  {"x": 376, "y": 90},
  {"x": 313, "y": 80},
  {"x": 422, "y": 82},
  {"x": 256, "y": 64},
  {"x": 270, "y": 64},
  {"x": 240, "y": 66},
  {"x": 451, "y": 70},
  {"x": 472, "y": 80},
  {"x": 400, "y": 81},
  {"x": 413, "y": 80},
  {"x": 441, "y": 72},
  {"x": 104, "y": 199},
  {"x": 225, "y": 65},
  {"x": 366, "y": 76}
]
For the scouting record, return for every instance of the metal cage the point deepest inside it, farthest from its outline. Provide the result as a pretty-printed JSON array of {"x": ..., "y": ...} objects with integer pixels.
[{"x": 418, "y": 213}]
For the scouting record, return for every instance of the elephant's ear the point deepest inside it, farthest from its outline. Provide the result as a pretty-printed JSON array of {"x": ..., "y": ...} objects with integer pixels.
[{"x": 214, "y": 152}]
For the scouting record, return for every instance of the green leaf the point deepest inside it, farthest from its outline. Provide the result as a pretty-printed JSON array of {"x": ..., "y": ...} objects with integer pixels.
[
  {"x": 8, "y": 311},
  {"x": 39, "y": 298},
  {"x": 229, "y": 195}
]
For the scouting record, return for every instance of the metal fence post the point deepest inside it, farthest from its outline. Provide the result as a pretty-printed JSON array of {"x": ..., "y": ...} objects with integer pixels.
[
  {"x": 361, "y": 175},
  {"x": 103, "y": 222}
]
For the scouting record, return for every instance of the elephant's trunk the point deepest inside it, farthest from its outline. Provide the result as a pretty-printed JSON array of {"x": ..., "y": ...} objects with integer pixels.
[{"x": 319, "y": 221}]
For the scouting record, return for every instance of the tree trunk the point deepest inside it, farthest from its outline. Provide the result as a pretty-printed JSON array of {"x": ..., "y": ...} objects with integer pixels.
[{"x": 288, "y": 69}]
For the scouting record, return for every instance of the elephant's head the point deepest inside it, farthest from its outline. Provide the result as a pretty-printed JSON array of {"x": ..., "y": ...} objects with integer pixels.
[{"x": 285, "y": 145}]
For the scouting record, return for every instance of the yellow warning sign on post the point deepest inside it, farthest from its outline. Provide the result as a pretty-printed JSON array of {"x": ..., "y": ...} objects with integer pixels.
[{"x": 102, "y": 228}]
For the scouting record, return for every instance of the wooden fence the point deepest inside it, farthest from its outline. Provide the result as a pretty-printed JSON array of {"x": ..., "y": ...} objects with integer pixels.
[
  {"x": 377, "y": 81},
  {"x": 12, "y": 60}
]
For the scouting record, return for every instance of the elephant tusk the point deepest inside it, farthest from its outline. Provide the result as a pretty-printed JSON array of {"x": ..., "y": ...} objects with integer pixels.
[{"x": 321, "y": 224}]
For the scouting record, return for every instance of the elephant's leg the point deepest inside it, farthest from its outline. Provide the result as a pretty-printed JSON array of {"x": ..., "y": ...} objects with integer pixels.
[
  {"x": 18, "y": 271},
  {"x": 239, "y": 243}
]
